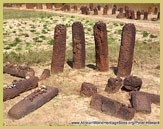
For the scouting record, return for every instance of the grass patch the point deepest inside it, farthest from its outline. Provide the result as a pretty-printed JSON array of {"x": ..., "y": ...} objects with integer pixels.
[
  {"x": 29, "y": 58},
  {"x": 16, "y": 14},
  {"x": 145, "y": 34}
]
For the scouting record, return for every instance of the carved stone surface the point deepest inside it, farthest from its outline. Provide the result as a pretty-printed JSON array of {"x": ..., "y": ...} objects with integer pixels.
[
  {"x": 126, "y": 50},
  {"x": 111, "y": 107},
  {"x": 32, "y": 102},
  {"x": 78, "y": 38},
  {"x": 59, "y": 49},
  {"x": 88, "y": 89},
  {"x": 19, "y": 87},
  {"x": 101, "y": 46},
  {"x": 113, "y": 85}
]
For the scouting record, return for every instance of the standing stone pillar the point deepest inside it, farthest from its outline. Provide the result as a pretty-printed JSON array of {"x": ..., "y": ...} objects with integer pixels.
[
  {"x": 95, "y": 11},
  {"x": 75, "y": 8},
  {"x": 105, "y": 11},
  {"x": 114, "y": 11},
  {"x": 99, "y": 7},
  {"x": 59, "y": 49},
  {"x": 101, "y": 46},
  {"x": 145, "y": 15},
  {"x": 158, "y": 16},
  {"x": 156, "y": 11},
  {"x": 127, "y": 14},
  {"x": 39, "y": 6},
  {"x": 132, "y": 14},
  {"x": 149, "y": 10},
  {"x": 126, "y": 50},
  {"x": 49, "y": 6},
  {"x": 138, "y": 15},
  {"x": 120, "y": 10},
  {"x": 91, "y": 6},
  {"x": 29, "y": 6},
  {"x": 78, "y": 39}
]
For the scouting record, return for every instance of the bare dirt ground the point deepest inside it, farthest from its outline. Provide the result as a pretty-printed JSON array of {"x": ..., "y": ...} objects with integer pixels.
[{"x": 69, "y": 106}]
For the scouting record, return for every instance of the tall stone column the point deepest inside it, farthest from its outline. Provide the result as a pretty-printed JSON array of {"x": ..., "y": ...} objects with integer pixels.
[
  {"x": 78, "y": 39},
  {"x": 126, "y": 50},
  {"x": 101, "y": 46},
  {"x": 59, "y": 49}
]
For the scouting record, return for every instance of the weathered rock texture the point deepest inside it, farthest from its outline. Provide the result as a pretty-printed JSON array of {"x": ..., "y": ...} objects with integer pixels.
[
  {"x": 138, "y": 15},
  {"x": 101, "y": 46},
  {"x": 45, "y": 74},
  {"x": 19, "y": 87},
  {"x": 95, "y": 11},
  {"x": 111, "y": 107},
  {"x": 154, "y": 98},
  {"x": 145, "y": 15},
  {"x": 126, "y": 50},
  {"x": 59, "y": 49},
  {"x": 18, "y": 71},
  {"x": 32, "y": 102},
  {"x": 113, "y": 85},
  {"x": 39, "y": 6},
  {"x": 78, "y": 38},
  {"x": 141, "y": 102},
  {"x": 132, "y": 83},
  {"x": 88, "y": 89}
]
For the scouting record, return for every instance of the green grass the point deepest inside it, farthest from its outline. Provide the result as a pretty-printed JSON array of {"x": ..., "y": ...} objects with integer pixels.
[
  {"x": 145, "y": 34},
  {"x": 16, "y": 14}
]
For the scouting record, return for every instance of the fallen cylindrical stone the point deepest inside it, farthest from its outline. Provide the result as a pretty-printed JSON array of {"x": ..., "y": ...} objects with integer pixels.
[
  {"x": 32, "y": 102},
  {"x": 19, "y": 87},
  {"x": 154, "y": 98},
  {"x": 140, "y": 102},
  {"x": 88, "y": 89},
  {"x": 120, "y": 15},
  {"x": 101, "y": 46},
  {"x": 132, "y": 83},
  {"x": 78, "y": 38},
  {"x": 18, "y": 71},
  {"x": 45, "y": 74},
  {"x": 126, "y": 50},
  {"x": 113, "y": 85},
  {"x": 59, "y": 49},
  {"x": 111, "y": 107}
]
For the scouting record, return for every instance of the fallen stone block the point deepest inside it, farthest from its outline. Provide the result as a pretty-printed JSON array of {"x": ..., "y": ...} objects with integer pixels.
[
  {"x": 45, "y": 74},
  {"x": 111, "y": 107},
  {"x": 88, "y": 89},
  {"x": 141, "y": 102},
  {"x": 132, "y": 83},
  {"x": 113, "y": 85},
  {"x": 154, "y": 98},
  {"x": 19, "y": 87},
  {"x": 32, "y": 102},
  {"x": 18, "y": 71}
]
